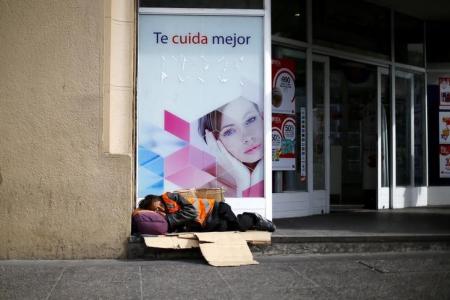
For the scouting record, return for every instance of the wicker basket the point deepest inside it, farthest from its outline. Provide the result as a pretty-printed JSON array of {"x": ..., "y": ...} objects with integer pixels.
[{"x": 211, "y": 193}]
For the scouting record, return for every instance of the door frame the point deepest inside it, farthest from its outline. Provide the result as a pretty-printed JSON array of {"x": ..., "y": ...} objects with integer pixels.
[{"x": 320, "y": 197}]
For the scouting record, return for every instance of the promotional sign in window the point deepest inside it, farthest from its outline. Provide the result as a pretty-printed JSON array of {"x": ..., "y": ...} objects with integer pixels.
[
  {"x": 283, "y": 142},
  {"x": 200, "y": 104},
  {"x": 444, "y": 91},
  {"x": 444, "y": 127},
  {"x": 283, "y": 86},
  {"x": 283, "y": 117},
  {"x": 444, "y": 161},
  {"x": 444, "y": 144}
]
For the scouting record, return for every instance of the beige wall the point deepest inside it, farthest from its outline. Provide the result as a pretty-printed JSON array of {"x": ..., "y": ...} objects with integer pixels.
[{"x": 60, "y": 195}]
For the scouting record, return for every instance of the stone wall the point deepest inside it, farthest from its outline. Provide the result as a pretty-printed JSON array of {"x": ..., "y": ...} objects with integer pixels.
[{"x": 62, "y": 195}]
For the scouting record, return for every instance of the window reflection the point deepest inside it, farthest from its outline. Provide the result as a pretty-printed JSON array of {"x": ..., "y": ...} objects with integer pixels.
[
  {"x": 353, "y": 133},
  {"x": 352, "y": 25},
  {"x": 419, "y": 129},
  {"x": 403, "y": 89},
  {"x": 409, "y": 40},
  {"x": 385, "y": 129},
  {"x": 318, "y": 126},
  {"x": 289, "y": 19}
]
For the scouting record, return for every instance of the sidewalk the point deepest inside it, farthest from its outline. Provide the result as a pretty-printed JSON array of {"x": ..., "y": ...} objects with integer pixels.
[
  {"x": 359, "y": 274},
  {"x": 422, "y": 275}
]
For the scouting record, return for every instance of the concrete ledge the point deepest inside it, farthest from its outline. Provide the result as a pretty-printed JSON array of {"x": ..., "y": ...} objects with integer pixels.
[
  {"x": 348, "y": 247},
  {"x": 291, "y": 245},
  {"x": 363, "y": 238}
]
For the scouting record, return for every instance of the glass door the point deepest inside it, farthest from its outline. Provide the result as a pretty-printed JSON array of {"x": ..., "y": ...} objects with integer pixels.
[
  {"x": 409, "y": 173},
  {"x": 320, "y": 129},
  {"x": 353, "y": 134},
  {"x": 404, "y": 90},
  {"x": 384, "y": 138}
]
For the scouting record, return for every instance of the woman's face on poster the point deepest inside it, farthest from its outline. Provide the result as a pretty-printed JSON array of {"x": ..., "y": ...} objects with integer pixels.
[{"x": 242, "y": 130}]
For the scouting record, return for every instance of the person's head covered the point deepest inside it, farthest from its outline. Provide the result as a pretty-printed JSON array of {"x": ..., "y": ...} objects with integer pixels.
[{"x": 152, "y": 202}]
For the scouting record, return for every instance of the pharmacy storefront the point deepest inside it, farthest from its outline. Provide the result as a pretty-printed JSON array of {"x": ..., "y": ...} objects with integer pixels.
[{"x": 278, "y": 106}]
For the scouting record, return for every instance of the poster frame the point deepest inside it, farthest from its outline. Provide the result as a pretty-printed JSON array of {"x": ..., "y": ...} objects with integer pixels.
[{"x": 250, "y": 204}]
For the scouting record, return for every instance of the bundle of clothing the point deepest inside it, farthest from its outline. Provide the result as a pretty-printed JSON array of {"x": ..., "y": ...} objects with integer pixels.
[{"x": 171, "y": 212}]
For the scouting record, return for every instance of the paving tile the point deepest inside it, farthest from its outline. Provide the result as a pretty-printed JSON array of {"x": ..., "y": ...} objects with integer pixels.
[
  {"x": 341, "y": 277},
  {"x": 401, "y": 286},
  {"x": 268, "y": 293},
  {"x": 328, "y": 264},
  {"x": 268, "y": 281},
  {"x": 99, "y": 282},
  {"x": 337, "y": 274},
  {"x": 27, "y": 281},
  {"x": 183, "y": 280},
  {"x": 345, "y": 278},
  {"x": 412, "y": 264}
]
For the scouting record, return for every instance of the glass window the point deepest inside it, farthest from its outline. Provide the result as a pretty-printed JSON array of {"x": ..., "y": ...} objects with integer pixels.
[
  {"x": 385, "y": 128},
  {"x": 409, "y": 40},
  {"x": 238, "y": 4},
  {"x": 352, "y": 25},
  {"x": 289, "y": 19},
  {"x": 419, "y": 129},
  {"x": 318, "y": 125},
  {"x": 403, "y": 93},
  {"x": 436, "y": 50},
  {"x": 295, "y": 180}
]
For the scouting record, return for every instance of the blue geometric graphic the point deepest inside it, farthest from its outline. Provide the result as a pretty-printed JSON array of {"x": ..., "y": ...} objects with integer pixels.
[
  {"x": 149, "y": 183},
  {"x": 151, "y": 161},
  {"x": 159, "y": 141}
]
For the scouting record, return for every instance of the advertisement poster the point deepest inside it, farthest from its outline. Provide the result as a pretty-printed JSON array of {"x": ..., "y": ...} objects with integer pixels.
[
  {"x": 200, "y": 104},
  {"x": 444, "y": 161},
  {"x": 444, "y": 127},
  {"x": 444, "y": 91},
  {"x": 283, "y": 142},
  {"x": 283, "y": 86}
]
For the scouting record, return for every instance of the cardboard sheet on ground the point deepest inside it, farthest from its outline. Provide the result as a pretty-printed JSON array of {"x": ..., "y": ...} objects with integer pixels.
[
  {"x": 219, "y": 248},
  {"x": 171, "y": 242},
  {"x": 187, "y": 240},
  {"x": 222, "y": 249}
]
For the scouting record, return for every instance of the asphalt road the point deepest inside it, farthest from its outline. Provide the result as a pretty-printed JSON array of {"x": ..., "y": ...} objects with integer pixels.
[{"x": 423, "y": 275}]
